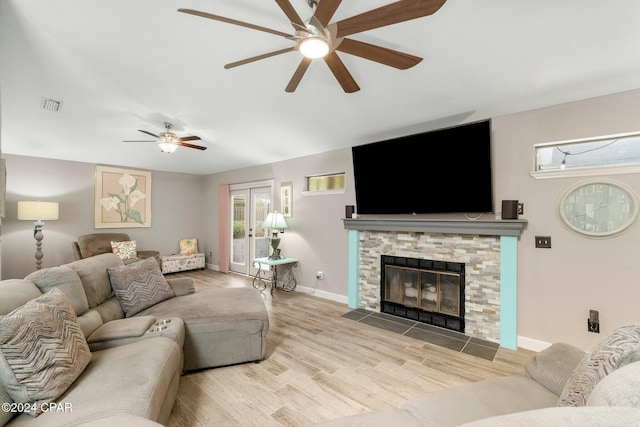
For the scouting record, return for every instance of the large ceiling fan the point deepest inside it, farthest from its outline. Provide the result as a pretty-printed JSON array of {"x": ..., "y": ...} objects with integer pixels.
[
  {"x": 169, "y": 141},
  {"x": 317, "y": 38}
]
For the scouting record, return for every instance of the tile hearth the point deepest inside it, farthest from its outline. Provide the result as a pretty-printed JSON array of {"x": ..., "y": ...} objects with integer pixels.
[{"x": 428, "y": 333}]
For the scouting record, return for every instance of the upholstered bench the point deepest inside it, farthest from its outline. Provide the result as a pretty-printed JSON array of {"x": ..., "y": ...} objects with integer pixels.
[{"x": 175, "y": 263}]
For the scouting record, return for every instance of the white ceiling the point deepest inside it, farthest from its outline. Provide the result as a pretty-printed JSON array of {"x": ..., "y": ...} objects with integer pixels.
[{"x": 123, "y": 65}]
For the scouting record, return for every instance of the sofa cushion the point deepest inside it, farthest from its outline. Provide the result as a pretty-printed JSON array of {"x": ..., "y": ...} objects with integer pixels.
[
  {"x": 16, "y": 293},
  {"x": 95, "y": 280},
  {"x": 139, "y": 285},
  {"x": 224, "y": 326},
  {"x": 553, "y": 366},
  {"x": 468, "y": 402},
  {"x": 5, "y": 399},
  {"x": 89, "y": 321},
  {"x": 381, "y": 418},
  {"x": 65, "y": 279},
  {"x": 42, "y": 350},
  {"x": 582, "y": 417},
  {"x": 606, "y": 357},
  {"x": 138, "y": 379},
  {"x": 182, "y": 285},
  {"x": 188, "y": 246},
  {"x": 122, "y": 328},
  {"x": 619, "y": 388},
  {"x": 125, "y": 250}
]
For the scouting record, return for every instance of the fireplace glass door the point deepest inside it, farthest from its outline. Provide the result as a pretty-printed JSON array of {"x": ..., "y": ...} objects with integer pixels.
[{"x": 433, "y": 291}]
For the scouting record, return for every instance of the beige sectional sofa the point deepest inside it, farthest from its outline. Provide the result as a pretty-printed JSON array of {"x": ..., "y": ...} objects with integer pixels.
[
  {"x": 128, "y": 351},
  {"x": 563, "y": 386}
]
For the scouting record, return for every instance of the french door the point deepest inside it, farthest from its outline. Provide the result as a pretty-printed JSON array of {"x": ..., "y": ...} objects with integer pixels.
[{"x": 249, "y": 240}]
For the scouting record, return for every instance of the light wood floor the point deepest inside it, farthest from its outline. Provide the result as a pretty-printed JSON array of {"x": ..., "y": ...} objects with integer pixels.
[{"x": 320, "y": 366}]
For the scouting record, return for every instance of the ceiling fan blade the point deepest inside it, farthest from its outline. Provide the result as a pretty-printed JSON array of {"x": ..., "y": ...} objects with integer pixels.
[
  {"x": 197, "y": 147},
  {"x": 325, "y": 10},
  {"x": 291, "y": 13},
  {"x": 393, "y": 13},
  {"x": 140, "y": 140},
  {"x": 259, "y": 57},
  {"x": 234, "y": 22},
  {"x": 149, "y": 133},
  {"x": 341, "y": 73},
  {"x": 379, "y": 54},
  {"x": 189, "y": 138},
  {"x": 297, "y": 76}
]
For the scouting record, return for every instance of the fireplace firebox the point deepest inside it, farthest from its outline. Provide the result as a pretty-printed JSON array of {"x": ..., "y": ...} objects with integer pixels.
[{"x": 424, "y": 290}]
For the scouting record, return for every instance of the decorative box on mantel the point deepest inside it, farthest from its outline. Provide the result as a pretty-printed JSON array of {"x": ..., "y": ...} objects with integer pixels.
[{"x": 457, "y": 240}]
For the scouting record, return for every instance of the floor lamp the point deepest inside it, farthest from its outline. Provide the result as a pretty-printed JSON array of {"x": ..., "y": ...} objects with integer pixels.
[{"x": 38, "y": 212}]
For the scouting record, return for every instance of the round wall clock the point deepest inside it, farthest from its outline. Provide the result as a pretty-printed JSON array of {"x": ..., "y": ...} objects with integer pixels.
[{"x": 601, "y": 208}]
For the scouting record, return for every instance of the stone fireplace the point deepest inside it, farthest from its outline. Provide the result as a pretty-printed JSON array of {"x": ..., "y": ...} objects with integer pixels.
[{"x": 487, "y": 249}]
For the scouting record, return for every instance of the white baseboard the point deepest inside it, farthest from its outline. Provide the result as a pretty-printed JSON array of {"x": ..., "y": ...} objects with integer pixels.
[
  {"x": 531, "y": 344},
  {"x": 213, "y": 267},
  {"x": 322, "y": 294}
]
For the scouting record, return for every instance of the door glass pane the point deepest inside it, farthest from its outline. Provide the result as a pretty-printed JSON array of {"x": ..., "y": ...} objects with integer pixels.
[
  {"x": 261, "y": 207},
  {"x": 239, "y": 225}
]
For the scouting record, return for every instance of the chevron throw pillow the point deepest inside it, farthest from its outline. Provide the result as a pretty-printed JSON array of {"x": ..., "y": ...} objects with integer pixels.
[
  {"x": 42, "y": 350},
  {"x": 139, "y": 285},
  {"x": 618, "y": 349}
]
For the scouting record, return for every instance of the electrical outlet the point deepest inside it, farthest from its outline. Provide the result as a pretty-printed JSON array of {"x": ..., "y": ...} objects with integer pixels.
[
  {"x": 593, "y": 326},
  {"x": 543, "y": 242},
  {"x": 320, "y": 275},
  {"x": 520, "y": 208}
]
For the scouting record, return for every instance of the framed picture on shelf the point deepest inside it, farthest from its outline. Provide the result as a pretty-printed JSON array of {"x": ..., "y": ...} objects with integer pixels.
[
  {"x": 122, "y": 198},
  {"x": 286, "y": 199}
]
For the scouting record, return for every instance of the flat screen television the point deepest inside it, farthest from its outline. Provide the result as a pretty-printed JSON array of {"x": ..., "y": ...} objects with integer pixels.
[{"x": 442, "y": 171}]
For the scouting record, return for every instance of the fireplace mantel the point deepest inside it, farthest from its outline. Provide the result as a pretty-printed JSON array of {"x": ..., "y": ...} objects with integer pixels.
[{"x": 498, "y": 227}]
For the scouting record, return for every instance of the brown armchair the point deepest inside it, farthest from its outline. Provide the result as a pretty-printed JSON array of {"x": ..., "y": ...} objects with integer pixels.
[{"x": 90, "y": 245}]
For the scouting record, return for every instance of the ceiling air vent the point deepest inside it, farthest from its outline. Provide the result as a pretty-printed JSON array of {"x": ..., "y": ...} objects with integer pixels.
[{"x": 51, "y": 104}]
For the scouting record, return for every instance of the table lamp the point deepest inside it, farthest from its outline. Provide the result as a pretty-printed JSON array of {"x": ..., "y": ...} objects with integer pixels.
[
  {"x": 275, "y": 221},
  {"x": 38, "y": 211}
]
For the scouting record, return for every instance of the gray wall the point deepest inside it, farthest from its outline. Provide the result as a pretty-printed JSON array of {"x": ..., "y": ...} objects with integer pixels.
[
  {"x": 176, "y": 209},
  {"x": 316, "y": 235},
  {"x": 557, "y": 286}
]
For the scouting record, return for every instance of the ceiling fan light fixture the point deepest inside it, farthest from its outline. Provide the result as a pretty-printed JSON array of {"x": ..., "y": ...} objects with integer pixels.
[
  {"x": 168, "y": 147},
  {"x": 313, "y": 47}
]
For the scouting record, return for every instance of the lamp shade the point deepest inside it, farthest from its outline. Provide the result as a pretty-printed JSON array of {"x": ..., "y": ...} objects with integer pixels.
[
  {"x": 275, "y": 220},
  {"x": 35, "y": 211}
]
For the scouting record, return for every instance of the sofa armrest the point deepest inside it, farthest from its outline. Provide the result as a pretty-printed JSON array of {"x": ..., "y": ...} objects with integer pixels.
[
  {"x": 122, "y": 328},
  {"x": 553, "y": 366},
  {"x": 182, "y": 285}
]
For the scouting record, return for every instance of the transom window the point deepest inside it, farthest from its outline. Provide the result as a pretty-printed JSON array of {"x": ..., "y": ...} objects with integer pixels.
[
  {"x": 616, "y": 153},
  {"x": 325, "y": 183}
]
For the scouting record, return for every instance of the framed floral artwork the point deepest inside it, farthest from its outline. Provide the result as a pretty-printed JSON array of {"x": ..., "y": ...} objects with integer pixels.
[
  {"x": 286, "y": 199},
  {"x": 122, "y": 198}
]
